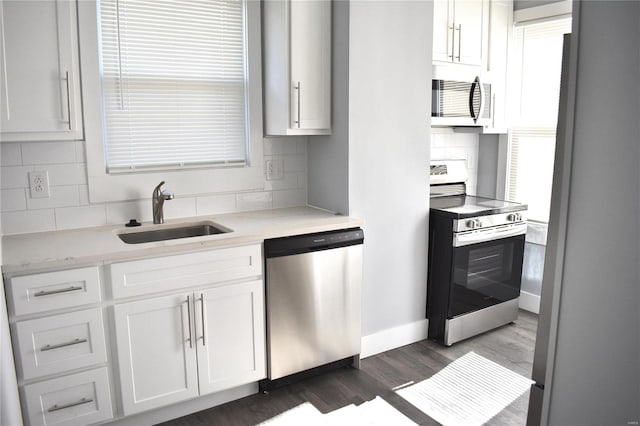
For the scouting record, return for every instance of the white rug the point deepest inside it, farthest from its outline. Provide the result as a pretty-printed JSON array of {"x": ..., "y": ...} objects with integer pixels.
[
  {"x": 376, "y": 412},
  {"x": 467, "y": 392}
]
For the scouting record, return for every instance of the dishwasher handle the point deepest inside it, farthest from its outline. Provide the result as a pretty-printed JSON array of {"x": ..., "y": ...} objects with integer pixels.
[{"x": 307, "y": 243}]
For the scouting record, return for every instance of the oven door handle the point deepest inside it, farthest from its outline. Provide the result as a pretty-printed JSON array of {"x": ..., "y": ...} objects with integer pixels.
[{"x": 461, "y": 239}]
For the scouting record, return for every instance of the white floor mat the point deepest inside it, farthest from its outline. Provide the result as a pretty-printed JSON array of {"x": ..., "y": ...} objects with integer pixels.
[
  {"x": 467, "y": 392},
  {"x": 376, "y": 412}
]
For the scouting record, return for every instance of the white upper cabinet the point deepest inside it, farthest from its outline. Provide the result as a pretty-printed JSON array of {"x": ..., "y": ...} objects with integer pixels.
[
  {"x": 500, "y": 29},
  {"x": 40, "y": 84},
  {"x": 297, "y": 67},
  {"x": 460, "y": 31}
]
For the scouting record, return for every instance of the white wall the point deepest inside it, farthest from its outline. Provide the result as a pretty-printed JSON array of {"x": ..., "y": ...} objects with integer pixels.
[
  {"x": 596, "y": 376},
  {"x": 379, "y": 150},
  {"x": 390, "y": 46},
  {"x": 69, "y": 206},
  {"x": 449, "y": 145}
]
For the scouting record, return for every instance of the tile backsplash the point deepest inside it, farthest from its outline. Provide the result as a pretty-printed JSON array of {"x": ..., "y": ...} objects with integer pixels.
[
  {"x": 68, "y": 205},
  {"x": 448, "y": 145}
]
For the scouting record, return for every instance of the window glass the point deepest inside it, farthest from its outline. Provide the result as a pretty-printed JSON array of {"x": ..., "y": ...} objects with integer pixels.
[
  {"x": 173, "y": 84},
  {"x": 538, "y": 63}
]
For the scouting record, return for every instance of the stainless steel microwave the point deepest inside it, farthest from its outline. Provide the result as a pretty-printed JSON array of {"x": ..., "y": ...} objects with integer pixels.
[{"x": 460, "y": 101}]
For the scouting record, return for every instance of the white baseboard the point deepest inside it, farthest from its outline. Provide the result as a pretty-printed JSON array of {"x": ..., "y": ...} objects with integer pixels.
[
  {"x": 529, "y": 302},
  {"x": 392, "y": 338}
]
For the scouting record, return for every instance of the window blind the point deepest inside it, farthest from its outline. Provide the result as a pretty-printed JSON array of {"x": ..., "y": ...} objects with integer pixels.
[
  {"x": 173, "y": 75},
  {"x": 532, "y": 139}
]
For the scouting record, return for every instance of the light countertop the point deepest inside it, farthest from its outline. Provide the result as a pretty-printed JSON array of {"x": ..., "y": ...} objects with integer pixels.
[{"x": 84, "y": 246}]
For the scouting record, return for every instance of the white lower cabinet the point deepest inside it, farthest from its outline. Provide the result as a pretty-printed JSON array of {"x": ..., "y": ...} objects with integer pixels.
[
  {"x": 231, "y": 349},
  {"x": 177, "y": 347}
]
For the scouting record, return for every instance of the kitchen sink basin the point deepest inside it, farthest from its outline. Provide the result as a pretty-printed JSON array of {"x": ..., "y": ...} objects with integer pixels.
[{"x": 186, "y": 231}]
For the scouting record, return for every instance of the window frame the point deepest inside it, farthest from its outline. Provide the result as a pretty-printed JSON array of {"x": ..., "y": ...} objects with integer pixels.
[
  {"x": 105, "y": 187},
  {"x": 539, "y": 14}
]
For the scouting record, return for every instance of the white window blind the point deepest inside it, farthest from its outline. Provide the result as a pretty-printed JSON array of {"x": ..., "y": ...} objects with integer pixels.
[
  {"x": 173, "y": 77},
  {"x": 538, "y": 58}
]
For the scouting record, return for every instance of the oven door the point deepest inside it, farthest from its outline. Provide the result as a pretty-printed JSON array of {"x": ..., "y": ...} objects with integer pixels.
[{"x": 485, "y": 274}]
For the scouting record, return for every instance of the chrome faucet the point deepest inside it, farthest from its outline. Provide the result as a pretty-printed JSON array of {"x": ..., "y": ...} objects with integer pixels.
[{"x": 157, "y": 200}]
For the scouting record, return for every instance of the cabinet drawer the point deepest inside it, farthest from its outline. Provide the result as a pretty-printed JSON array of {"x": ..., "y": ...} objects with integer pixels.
[
  {"x": 60, "y": 343},
  {"x": 185, "y": 270},
  {"x": 77, "y": 399},
  {"x": 54, "y": 290}
]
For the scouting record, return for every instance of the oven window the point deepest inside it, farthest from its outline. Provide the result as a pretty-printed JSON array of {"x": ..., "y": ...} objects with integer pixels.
[{"x": 486, "y": 274}]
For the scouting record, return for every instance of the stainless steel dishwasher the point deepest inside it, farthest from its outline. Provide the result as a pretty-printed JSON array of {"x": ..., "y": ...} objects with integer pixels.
[{"x": 313, "y": 293}]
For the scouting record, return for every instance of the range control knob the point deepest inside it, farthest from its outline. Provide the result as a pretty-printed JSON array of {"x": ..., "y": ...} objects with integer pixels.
[
  {"x": 473, "y": 223},
  {"x": 514, "y": 217}
]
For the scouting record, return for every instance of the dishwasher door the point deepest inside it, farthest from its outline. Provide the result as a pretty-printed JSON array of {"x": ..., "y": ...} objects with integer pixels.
[{"x": 313, "y": 309}]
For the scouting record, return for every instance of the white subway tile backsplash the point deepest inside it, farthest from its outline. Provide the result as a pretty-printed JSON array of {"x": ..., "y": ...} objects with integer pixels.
[
  {"x": 295, "y": 163},
  {"x": 288, "y": 181},
  {"x": 289, "y": 198},
  {"x": 67, "y": 174},
  {"x": 69, "y": 205},
  {"x": 216, "y": 204},
  {"x": 28, "y": 221},
  {"x": 281, "y": 146},
  {"x": 60, "y": 196},
  {"x": 84, "y": 194},
  {"x": 179, "y": 207},
  {"x": 15, "y": 176},
  {"x": 80, "y": 217},
  {"x": 13, "y": 200},
  {"x": 120, "y": 213},
  {"x": 10, "y": 154},
  {"x": 48, "y": 153},
  {"x": 80, "y": 154},
  {"x": 254, "y": 201}
]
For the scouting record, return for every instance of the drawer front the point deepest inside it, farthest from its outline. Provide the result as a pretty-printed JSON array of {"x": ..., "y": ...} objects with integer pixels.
[
  {"x": 77, "y": 399},
  {"x": 54, "y": 290},
  {"x": 60, "y": 343},
  {"x": 186, "y": 270}
]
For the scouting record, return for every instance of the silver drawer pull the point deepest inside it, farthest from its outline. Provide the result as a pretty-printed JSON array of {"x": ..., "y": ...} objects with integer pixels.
[
  {"x": 62, "y": 345},
  {"x": 62, "y": 290},
  {"x": 69, "y": 405}
]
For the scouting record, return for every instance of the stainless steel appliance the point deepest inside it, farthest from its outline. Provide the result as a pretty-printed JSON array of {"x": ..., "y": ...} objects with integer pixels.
[
  {"x": 476, "y": 248},
  {"x": 313, "y": 297},
  {"x": 460, "y": 98}
]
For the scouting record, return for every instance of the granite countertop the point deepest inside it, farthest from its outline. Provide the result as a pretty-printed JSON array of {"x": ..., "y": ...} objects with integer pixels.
[{"x": 71, "y": 248}]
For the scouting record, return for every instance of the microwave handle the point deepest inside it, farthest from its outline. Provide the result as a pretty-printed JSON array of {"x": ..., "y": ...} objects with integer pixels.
[{"x": 478, "y": 83}]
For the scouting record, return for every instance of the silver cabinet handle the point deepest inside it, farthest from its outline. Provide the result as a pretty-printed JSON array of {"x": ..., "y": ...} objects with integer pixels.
[
  {"x": 57, "y": 407},
  {"x": 62, "y": 290},
  {"x": 62, "y": 345},
  {"x": 297, "y": 120},
  {"x": 202, "y": 317},
  {"x": 459, "y": 41},
  {"x": 453, "y": 42},
  {"x": 189, "y": 321},
  {"x": 68, "y": 99}
]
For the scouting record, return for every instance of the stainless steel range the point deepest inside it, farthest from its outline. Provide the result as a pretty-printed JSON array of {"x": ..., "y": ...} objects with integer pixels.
[{"x": 476, "y": 247}]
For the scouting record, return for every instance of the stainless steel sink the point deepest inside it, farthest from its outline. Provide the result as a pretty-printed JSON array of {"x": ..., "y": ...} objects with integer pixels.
[{"x": 186, "y": 231}]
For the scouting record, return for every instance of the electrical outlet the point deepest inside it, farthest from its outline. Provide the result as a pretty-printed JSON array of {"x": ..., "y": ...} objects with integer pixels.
[
  {"x": 275, "y": 169},
  {"x": 39, "y": 184}
]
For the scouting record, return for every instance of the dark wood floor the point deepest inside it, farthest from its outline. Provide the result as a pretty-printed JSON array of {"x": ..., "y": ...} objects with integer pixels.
[{"x": 510, "y": 346}]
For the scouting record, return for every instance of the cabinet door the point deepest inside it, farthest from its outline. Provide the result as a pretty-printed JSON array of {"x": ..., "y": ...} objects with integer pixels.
[
  {"x": 230, "y": 330},
  {"x": 499, "y": 36},
  {"x": 310, "y": 64},
  {"x": 443, "y": 30},
  {"x": 469, "y": 31},
  {"x": 40, "y": 94},
  {"x": 156, "y": 356}
]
